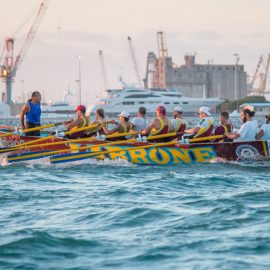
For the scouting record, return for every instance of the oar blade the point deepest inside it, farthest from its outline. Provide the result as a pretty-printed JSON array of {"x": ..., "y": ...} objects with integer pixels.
[
  {"x": 64, "y": 158},
  {"x": 27, "y": 156}
]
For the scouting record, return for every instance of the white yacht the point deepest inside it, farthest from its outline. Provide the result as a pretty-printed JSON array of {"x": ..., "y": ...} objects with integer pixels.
[{"x": 131, "y": 98}]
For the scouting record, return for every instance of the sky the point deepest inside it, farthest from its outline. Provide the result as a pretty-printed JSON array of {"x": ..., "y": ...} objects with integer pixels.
[{"x": 213, "y": 29}]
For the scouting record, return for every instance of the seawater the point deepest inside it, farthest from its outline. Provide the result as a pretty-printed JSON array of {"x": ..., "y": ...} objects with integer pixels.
[{"x": 115, "y": 215}]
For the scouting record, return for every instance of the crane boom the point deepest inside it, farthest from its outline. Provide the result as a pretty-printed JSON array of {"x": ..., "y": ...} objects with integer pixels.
[
  {"x": 133, "y": 57},
  {"x": 255, "y": 73},
  {"x": 9, "y": 67},
  {"x": 162, "y": 49},
  {"x": 266, "y": 73},
  {"x": 30, "y": 35},
  {"x": 150, "y": 65}
]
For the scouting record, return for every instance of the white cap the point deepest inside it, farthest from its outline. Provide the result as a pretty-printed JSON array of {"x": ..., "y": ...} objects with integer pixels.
[
  {"x": 125, "y": 114},
  {"x": 205, "y": 109},
  {"x": 178, "y": 109},
  {"x": 249, "y": 107}
]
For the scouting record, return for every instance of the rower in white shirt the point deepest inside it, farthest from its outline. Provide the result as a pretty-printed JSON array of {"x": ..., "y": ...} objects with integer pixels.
[
  {"x": 254, "y": 121},
  {"x": 139, "y": 123},
  {"x": 264, "y": 131},
  {"x": 247, "y": 131}
]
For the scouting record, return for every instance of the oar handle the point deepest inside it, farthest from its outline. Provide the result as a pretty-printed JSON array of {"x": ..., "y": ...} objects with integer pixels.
[
  {"x": 121, "y": 134},
  {"x": 38, "y": 128},
  {"x": 81, "y": 129},
  {"x": 214, "y": 137}
]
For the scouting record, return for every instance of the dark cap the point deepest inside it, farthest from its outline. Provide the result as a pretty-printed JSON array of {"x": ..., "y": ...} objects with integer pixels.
[{"x": 81, "y": 108}]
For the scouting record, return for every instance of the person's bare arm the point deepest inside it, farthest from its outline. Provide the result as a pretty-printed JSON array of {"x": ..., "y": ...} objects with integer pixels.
[
  {"x": 233, "y": 135},
  {"x": 259, "y": 135},
  {"x": 192, "y": 130},
  {"x": 75, "y": 123},
  {"x": 24, "y": 110},
  {"x": 153, "y": 124},
  {"x": 118, "y": 128}
]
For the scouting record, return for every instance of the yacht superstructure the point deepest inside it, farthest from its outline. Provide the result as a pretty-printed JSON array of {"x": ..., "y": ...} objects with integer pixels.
[{"x": 131, "y": 98}]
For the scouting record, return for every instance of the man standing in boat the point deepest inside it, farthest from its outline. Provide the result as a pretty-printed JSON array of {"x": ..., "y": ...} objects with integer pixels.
[
  {"x": 205, "y": 126},
  {"x": 139, "y": 123},
  {"x": 247, "y": 131},
  {"x": 32, "y": 111}
]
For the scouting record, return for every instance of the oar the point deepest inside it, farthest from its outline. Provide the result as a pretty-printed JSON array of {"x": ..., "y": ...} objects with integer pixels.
[
  {"x": 37, "y": 141},
  {"x": 80, "y": 156},
  {"x": 213, "y": 137},
  {"x": 33, "y": 129},
  {"x": 37, "y": 155},
  {"x": 23, "y": 146},
  {"x": 11, "y": 149},
  {"x": 115, "y": 135},
  {"x": 26, "y": 144},
  {"x": 12, "y": 128}
]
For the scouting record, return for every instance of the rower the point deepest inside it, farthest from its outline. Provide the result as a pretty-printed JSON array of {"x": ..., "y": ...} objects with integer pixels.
[
  {"x": 225, "y": 126},
  {"x": 160, "y": 125},
  {"x": 32, "y": 111},
  {"x": 81, "y": 121},
  {"x": 99, "y": 119},
  {"x": 139, "y": 123},
  {"x": 122, "y": 127},
  {"x": 178, "y": 123},
  {"x": 264, "y": 131},
  {"x": 252, "y": 110},
  {"x": 247, "y": 131},
  {"x": 205, "y": 126}
]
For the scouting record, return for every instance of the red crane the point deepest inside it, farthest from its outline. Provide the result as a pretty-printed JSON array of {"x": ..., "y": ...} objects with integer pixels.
[{"x": 9, "y": 67}]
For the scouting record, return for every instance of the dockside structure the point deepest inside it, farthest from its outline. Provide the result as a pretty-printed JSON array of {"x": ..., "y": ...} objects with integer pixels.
[{"x": 196, "y": 80}]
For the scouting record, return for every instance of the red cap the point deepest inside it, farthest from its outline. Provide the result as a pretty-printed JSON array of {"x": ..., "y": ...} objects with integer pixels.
[
  {"x": 81, "y": 108},
  {"x": 161, "y": 110}
]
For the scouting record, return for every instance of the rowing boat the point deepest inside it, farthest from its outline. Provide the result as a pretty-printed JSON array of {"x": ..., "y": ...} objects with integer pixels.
[
  {"x": 161, "y": 154},
  {"x": 13, "y": 140},
  {"x": 137, "y": 152}
]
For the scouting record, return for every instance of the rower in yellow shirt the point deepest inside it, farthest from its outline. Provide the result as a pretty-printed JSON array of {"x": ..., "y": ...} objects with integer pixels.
[{"x": 81, "y": 121}]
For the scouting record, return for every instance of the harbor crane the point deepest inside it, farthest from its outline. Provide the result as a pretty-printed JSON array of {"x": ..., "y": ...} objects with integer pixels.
[
  {"x": 162, "y": 48},
  {"x": 255, "y": 75},
  {"x": 266, "y": 73},
  {"x": 135, "y": 66},
  {"x": 9, "y": 67},
  {"x": 103, "y": 70},
  {"x": 261, "y": 90},
  {"x": 150, "y": 68}
]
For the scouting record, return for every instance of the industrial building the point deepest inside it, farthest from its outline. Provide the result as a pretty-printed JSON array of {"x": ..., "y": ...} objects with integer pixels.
[{"x": 194, "y": 80}]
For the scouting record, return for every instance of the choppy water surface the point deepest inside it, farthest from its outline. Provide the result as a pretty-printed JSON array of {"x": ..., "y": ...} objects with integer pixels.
[{"x": 114, "y": 215}]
